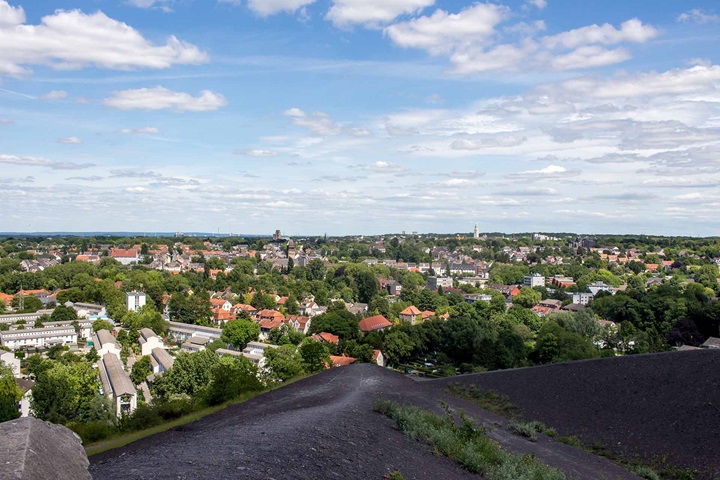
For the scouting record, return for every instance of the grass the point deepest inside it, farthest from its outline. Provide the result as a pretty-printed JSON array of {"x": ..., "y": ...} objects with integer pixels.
[
  {"x": 120, "y": 440},
  {"x": 530, "y": 429},
  {"x": 464, "y": 443},
  {"x": 394, "y": 475},
  {"x": 486, "y": 399}
]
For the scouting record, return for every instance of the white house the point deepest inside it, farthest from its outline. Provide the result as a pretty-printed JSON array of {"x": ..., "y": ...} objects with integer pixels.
[
  {"x": 38, "y": 337},
  {"x": 596, "y": 287},
  {"x": 26, "y": 387},
  {"x": 116, "y": 384},
  {"x": 582, "y": 298},
  {"x": 534, "y": 280},
  {"x": 105, "y": 343},
  {"x": 160, "y": 360},
  {"x": 135, "y": 300},
  {"x": 149, "y": 341},
  {"x": 8, "y": 358}
]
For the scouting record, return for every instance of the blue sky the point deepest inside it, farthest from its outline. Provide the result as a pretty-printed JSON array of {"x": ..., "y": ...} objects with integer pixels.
[{"x": 360, "y": 116}]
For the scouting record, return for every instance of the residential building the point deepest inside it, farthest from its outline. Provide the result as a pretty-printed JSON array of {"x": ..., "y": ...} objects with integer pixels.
[
  {"x": 183, "y": 331},
  {"x": 116, "y": 384},
  {"x": 341, "y": 361},
  {"x": 24, "y": 317},
  {"x": 195, "y": 344},
  {"x": 160, "y": 360},
  {"x": 582, "y": 298},
  {"x": 379, "y": 358},
  {"x": 149, "y": 341},
  {"x": 596, "y": 287},
  {"x": 38, "y": 337},
  {"x": 534, "y": 280},
  {"x": 9, "y": 359},
  {"x": 434, "y": 282},
  {"x": 26, "y": 388},
  {"x": 711, "y": 342},
  {"x": 104, "y": 343},
  {"x": 411, "y": 314},
  {"x": 126, "y": 257},
  {"x": 298, "y": 323},
  {"x": 135, "y": 300},
  {"x": 326, "y": 337},
  {"x": 84, "y": 310},
  {"x": 375, "y": 323}
]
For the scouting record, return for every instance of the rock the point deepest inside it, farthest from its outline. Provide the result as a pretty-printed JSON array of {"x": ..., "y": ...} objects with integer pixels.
[{"x": 38, "y": 450}]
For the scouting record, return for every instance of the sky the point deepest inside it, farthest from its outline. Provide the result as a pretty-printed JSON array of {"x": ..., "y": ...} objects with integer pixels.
[{"x": 360, "y": 116}]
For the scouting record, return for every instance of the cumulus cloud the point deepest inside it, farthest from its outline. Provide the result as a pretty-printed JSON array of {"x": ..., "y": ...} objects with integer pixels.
[
  {"x": 54, "y": 95},
  {"x": 473, "y": 43},
  {"x": 539, "y": 4},
  {"x": 160, "y": 98},
  {"x": 698, "y": 16},
  {"x": 382, "y": 166},
  {"x": 69, "y": 141},
  {"x": 318, "y": 123},
  {"x": 343, "y": 13},
  {"x": 266, "y": 8},
  {"x": 73, "y": 39},
  {"x": 159, "y": 4},
  {"x": 551, "y": 171},
  {"x": 137, "y": 131}
]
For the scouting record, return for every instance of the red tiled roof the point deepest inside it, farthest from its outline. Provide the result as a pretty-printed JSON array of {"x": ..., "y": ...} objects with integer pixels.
[
  {"x": 341, "y": 361},
  {"x": 326, "y": 337},
  {"x": 411, "y": 310},
  {"x": 377, "y": 322},
  {"x": 121, "y": 253},
  {"x": 427, "y": 314}
]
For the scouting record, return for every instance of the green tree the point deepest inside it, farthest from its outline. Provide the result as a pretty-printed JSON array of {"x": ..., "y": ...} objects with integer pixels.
[
  {"x": 64, "y": 392},
  {"x": 398, "y": 346},
  {"x": 10, "y": 394},
  {"x": 285, "y": 362},
  {"x": 239, "y": 332},
  {"x": 229, "y": 378},
  {"x": 63, "y": 313},
  {"x": 315, "y": 356},
  {"x": 102, "y": 325},
  {"x": 338, "y": 322},
  {"x": 527, "y": 297},
  {"x": 140, "y": 370},
  {"x": 191, "y": 372}
]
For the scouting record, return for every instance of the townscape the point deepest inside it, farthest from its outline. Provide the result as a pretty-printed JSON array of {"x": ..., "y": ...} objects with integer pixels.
[{"x": 114, "y": 334}]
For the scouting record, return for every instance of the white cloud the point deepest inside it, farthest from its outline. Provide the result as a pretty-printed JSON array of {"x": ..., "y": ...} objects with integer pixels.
[
  {"x": 261, "y": 153},
  {"x": 54, "y": 95},
  {"x": 160, "y": 98},
  {"x": 159, "y": 4},
  {"x": 69, "y": 141},
  {"x": 72, "y": 39},
  {"x": 632, "y": 30},
  {"x": 318, "y": 123},
  {"x": 41, "y": 162},
  {"x": 551, "y": 171},
  {"x": 266, "y": 8},
  {"x": 383, "y": 167},
  {"x": 372, "y": 12},
  {"x": 11, "y": 16},
  {"x": 443, "y": 32},
  {"x": 539, "y": 4},
  {"x": 698, "y": 16},
  {"x": 136, "y": 131},
  {"x": 473, "y": 43},
  {"x": 6, "y": 121}
]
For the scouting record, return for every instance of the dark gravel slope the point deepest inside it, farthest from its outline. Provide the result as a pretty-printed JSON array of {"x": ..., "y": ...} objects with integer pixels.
[
  {"x": 651, "y": 405},
  {"x": 321, "y": 427}
]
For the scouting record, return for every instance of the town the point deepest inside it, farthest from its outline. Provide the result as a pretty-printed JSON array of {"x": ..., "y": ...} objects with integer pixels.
[{"x": 144, "y": 329}]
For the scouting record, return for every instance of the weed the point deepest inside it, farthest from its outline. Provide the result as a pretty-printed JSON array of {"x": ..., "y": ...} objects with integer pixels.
[
  {"x": 394, "y": 475},
  {"x": 464, "y": 443},
  {"x": 528, "y": 429},
  {"x": 486, "y": 399}
]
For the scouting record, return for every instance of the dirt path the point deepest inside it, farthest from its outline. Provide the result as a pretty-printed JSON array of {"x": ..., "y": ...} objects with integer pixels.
[{"x": 319, "y": 427}]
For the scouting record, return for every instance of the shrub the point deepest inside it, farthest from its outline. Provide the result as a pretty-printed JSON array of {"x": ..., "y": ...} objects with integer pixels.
[
  {"x": 93, "y": 431},
  {"x": 528, "y": 429}
]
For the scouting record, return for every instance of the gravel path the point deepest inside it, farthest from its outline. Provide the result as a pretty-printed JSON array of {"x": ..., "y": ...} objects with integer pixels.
[
  {"x": 322, "y": 427},
  {"x": 648, "y": 405}
]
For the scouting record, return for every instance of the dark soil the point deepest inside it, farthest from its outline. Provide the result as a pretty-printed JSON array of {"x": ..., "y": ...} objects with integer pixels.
[
  {"x": 653, "y": 406},
  {"x": 324, "y": 427}
]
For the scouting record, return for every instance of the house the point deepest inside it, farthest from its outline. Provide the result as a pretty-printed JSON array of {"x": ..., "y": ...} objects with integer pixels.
[
  {"x": 44, "y": 296},
  {"x": 712, "y": 342},
  {"x": 434, "y": 282},
  {"x": 561, "y": 281},
  {"x": 393, "y": 287},
  {"x": 183, "y": 331},
  {"x": 255, "y": 352},
  {"x": 84, "y": 310},
  {"x": 116, "y": 384},
  {"x": 298, "y": 323},
  {"x": 135, "y": 300},
  {"x": 426, "y": 315},
  {"x": 9, "y": 359},
  {"x": 375, "y": 323},
  {"x": 596, "y": 287},
  {"x": 477, "y": 297},
  {"x": 507, "y": 290},
  {"x": 310, "y": 309},
  {"x": 238, "y": 308},
  {"x": 195, "y": 344},
  {"x": 126, "y": 257},
  {"x": 105, "y": 343},
  {"x": 26, "y": 388},
  {"x": 411, "y": 314},
  {"x": 534, "y": 280},
  {"x": 552, "y": 304},
  {"x": 149, "y": 341},
  {"x": 582, "y": 298},
  {"x": 325, "y": 337},
  {"x": 341, "y": 361},
  {"x": 357, "y": 308},
  {"x": 379, "y": 358},
  {"x": 160, "y": 360},
  {"x": 38, "y": 337}
]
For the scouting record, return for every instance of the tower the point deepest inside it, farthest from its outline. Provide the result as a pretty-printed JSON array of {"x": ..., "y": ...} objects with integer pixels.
[{"x": 476, "y": 232}]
